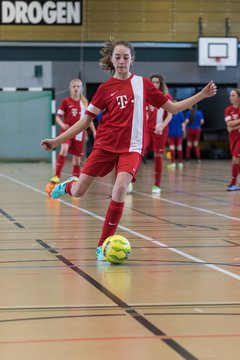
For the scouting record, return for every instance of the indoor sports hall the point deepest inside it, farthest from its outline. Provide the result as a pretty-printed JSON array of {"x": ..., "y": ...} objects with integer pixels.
[{"x": 177, "y": 295}]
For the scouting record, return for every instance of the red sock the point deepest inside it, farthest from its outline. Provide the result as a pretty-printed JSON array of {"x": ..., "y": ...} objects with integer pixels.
[
  {"x": 172, "y": 155},
  {"x": 69, "y": 187},
  {"x": 158, "y": 169},
  {"x": 197, "y": 152},
  {"x": 112, "y": 219},
  {"x": 188, "y": 151},
  {"x": 180, "y": 156},
  {"x": 235, "y": 168},
  {"x": 60, "y": 163},
  {"x": 76, "y": 170}
]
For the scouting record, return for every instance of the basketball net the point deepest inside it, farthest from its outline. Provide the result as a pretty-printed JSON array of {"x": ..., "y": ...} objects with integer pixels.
[{"x": 220, "y": 67}]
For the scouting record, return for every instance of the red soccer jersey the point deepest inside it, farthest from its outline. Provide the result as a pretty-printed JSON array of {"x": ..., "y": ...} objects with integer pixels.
[
  {"x": 71, "y": 110},
  {"x": 123, "y": 124},
  {"x": 156, "y": 116},
  {"x": 233, "y": 113}
]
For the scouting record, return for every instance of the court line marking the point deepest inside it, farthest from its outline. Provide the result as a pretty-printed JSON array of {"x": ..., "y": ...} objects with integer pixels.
[
  {"x": 147, "y": 238},
  {"x": 156, "y": 197},
  {"x": 117, "y": 338}
]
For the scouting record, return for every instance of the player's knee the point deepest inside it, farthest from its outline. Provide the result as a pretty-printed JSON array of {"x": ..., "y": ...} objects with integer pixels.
[{"x": 119, "y": 192}]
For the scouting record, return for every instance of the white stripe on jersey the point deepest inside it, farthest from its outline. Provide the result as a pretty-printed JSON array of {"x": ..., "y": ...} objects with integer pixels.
[
  {"x": 93, "y": 109},
  {"x": 136, "y": 143},
  {"x": 83, "y": 109},
  {"x": 159, "y": 116}
]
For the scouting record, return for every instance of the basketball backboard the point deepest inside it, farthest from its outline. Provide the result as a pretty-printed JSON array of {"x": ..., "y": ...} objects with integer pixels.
[{"x": 218, "y": 51}]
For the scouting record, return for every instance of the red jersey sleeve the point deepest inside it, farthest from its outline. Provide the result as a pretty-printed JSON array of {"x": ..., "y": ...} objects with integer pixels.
[
  {"x": 62, "y": 108},
  {"x": 154, "y": 96},
  {"x": 98, "y": 103}
]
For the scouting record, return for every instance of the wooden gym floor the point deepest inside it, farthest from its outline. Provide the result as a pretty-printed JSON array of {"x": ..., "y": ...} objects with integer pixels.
[{"x": 177, "y": 297}]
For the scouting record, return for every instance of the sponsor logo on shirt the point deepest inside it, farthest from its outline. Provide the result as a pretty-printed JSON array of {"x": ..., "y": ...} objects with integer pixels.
[
  {"x": 122, "y": 101},
  {"x": 74, "y": 112}
]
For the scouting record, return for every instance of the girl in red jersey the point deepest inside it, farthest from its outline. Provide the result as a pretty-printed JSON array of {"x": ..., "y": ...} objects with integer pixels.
[
  {"x": 70, "y": 111},
  {"x": 232, "y": 118},
  {"x": 120, "y": 138},
  {"x": 157, "y": 127}
]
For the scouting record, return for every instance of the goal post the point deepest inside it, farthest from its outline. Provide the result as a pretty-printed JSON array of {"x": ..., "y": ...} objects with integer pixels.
[{"x": 27, "y": 117}]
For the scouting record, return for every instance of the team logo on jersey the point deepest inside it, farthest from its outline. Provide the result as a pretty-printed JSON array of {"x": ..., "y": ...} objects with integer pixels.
[
  {"x": 122, "y": 101},
  {"x": 74, "y": 112}
]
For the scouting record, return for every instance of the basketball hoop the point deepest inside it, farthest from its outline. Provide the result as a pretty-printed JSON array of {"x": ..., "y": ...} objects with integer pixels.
[{"x": 219, "y": 66}]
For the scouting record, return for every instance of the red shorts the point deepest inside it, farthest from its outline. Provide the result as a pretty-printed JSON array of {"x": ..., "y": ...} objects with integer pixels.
[
  {"x": 76, "y": 147},
  {"x": 234, "y": 140},
  {"x": 175, "y": 140},
  {"x": 101, "y": 162},
  {"x": 193, "y": 134},
  {"x": 157, "y": 143}
]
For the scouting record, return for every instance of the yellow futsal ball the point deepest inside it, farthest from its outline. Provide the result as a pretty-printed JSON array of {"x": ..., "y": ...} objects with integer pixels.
[{"x": 116, "y": 249}]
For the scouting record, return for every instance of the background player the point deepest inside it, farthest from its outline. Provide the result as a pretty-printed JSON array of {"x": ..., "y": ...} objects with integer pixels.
[
  {"x": 194, "y": 121},
  {"x": 176, "y": 133},
  {"x": 70, "y": 111},
  {"x": 157, "y": 130},
  {"x": 232, "y": 118}
]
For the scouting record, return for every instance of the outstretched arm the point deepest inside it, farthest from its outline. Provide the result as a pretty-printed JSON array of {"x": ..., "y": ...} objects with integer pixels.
[
  {"x": 209, "y": 90},
  {"x": 50, "y": 144}
]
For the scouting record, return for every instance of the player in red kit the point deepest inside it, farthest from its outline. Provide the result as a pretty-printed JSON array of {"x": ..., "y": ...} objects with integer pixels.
[
  {"x": 157, "y": 126},
  {"x": 120, "y": 138},
  {"x": 232, "y": 118},
  {"x": 70, "y": 111}
]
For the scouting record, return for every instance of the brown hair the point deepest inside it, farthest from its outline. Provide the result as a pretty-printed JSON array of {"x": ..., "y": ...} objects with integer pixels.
[
  {"x": 163, "y": 86},
  {"x": 193, "y": 111},
  {"x": 107, "y": 51}
]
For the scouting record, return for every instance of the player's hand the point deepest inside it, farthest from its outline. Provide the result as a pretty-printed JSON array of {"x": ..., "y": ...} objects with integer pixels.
[
  {"x": 48, "y": 144},
  {"x": 159, "y": 129},
  {"x": 210, "y": 89}
]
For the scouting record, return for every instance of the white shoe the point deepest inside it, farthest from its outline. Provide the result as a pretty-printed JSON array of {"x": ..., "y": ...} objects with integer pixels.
[
  {"x": 130, "y": 188},
  {"x": 180, "y": 166},
  {"x": 156, "y": 189},
  {"x": 172, "y": 166}
]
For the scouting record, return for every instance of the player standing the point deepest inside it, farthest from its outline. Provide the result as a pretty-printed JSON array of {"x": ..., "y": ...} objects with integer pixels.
[
  {"x": 176, "y": 133},
  {"x": 71, "y": 109},
  {"x": 157, "y": 130},
  {"x": 194, "y": 121},
  {"x": 232, "y": 118}
]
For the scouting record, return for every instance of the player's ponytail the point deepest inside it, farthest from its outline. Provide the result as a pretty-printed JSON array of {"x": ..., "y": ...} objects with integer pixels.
[{"x": 192, "y": 113}]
